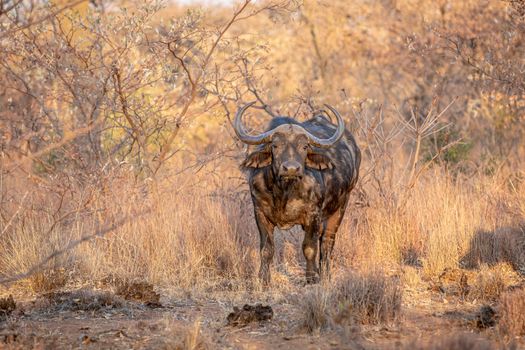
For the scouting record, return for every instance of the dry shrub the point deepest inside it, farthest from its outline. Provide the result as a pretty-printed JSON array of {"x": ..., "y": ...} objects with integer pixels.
[
  {"x": 7, "y": 306},
  {"x": 372, "y": 298},
  {"x": 193, "y": 339},
  {"x": 316, "y": 308},
  {"x": 139, "y": 291},
  {"x": 48, "y": 280},
  {"x": 192, "y": 240},
  {"x": 30, "y": 243},
  {"x": 447, "y": 222},
  {"x": 490, "y": 282},
  {"x": 511, "y": 311},
  {"x": 81, "y": 300},
  {"x": 456, "y": 341}
]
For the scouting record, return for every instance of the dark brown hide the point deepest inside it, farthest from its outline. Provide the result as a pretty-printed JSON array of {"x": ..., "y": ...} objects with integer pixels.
[{"x": 294, "y": 183}]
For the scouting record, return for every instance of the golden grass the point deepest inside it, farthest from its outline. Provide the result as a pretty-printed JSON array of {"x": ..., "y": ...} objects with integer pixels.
[
  {"x": 316, "y": 308},
  {"x": 352, "y": 299},
  {"x": 203, "y": 237},
  {"x": 371, "y": 298},
  {"x": 441, "y": 226},
  {"x": 491, "y": 281},
  {"x": 197, "y": 238},
  {"x": 512, "y": 317}
]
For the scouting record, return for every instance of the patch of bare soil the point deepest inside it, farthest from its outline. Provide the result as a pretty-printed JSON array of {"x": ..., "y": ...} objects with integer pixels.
[
  {"x": 249, "y": 314},
  {"x": 87, "y": 319}
]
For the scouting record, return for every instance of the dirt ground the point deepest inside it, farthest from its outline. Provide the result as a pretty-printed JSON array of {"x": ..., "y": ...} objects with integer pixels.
[{"x": 97, "y": 319}]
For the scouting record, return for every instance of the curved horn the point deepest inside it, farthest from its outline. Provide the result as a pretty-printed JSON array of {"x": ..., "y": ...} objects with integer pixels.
[
  {"x": 325, "y": 143},
  {"x": 241, "y": 133}
]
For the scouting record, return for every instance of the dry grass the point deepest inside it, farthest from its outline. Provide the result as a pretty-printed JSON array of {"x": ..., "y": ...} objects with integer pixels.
[
  {"x": 316, "y": 308},
  {"x": 30, "y": 243},
  {"x": 490, "y": 282},
  {"x": 202, "y": 239},
  {"x": 81, "y": 300},
  {"x": 371, "y": 298},
  {"x": 511, "y": 310},
  {"x": 447, "y": 222},
  {"x": 193, "y": 339},
  {"x": 193, "y": 241}
]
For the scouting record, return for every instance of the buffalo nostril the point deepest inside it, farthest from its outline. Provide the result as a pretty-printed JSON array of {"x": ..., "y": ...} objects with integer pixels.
[{"x": 291, "y": 169}]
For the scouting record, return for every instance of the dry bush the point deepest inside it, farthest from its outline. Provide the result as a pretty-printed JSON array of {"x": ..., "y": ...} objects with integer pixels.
[
  {"x": 7, "y": 306},
  {"x": 80, "y": 300},
  {"x": 191, "y": 240},
  {"x": 456, "y": 341},
  {"x": 193, "y": 339},
  {"x": 490, "y": 282},
  {"x": 371, "y": 298},
  {"x": 316, "y": 307},
  {"x": 511, "y": 313},
  {"x": 28, "y": 245},
  {"x": 439, "y": 227}
]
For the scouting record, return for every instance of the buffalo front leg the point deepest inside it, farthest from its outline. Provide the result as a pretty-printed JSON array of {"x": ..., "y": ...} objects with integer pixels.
[
  {"x": 310, "y": 244},
  {"x": 266, "y": 245},
  {"x": 327, "y": 242}
]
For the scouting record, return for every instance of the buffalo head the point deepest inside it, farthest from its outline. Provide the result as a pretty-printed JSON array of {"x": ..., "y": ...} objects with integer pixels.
[{"x": 288, "y": 148}]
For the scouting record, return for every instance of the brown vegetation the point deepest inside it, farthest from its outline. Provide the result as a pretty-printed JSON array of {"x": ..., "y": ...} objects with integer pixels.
[
  {"x": 372, "y": 298},
  {"x": 7, "y": 306},
  {"x": 512, "y": 318},
  {"x": 119, "y": 167}
]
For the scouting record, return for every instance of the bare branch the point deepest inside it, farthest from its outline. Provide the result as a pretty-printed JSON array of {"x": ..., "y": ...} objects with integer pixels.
[
  {"x": 42, "y": 264},
  {"x": 42, "y": 19}
]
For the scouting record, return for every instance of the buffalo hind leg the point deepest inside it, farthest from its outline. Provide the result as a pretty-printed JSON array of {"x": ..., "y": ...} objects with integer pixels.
[
  {"x": 310, "y": 244},
  {"x": 327, "y": 242},
  {"x": 266, "y": 246}
]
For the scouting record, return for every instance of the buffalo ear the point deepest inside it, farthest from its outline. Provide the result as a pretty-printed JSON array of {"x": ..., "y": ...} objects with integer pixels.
[
  {"x": 318, "y": 161},
  {"x": 257, "y": 159}
]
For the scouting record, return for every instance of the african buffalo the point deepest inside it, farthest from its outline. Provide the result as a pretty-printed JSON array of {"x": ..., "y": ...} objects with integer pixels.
[{"x": 300, "y": 174}]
